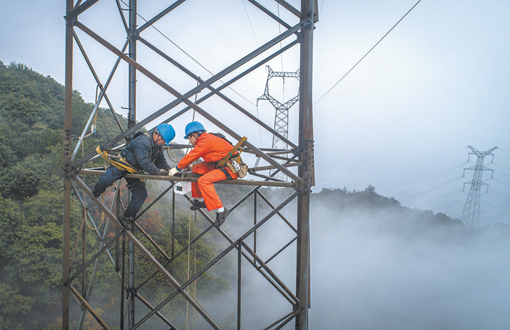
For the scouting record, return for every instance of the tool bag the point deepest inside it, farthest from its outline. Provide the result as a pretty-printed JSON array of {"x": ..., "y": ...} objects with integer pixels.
[
  {"x": 237, "y": 165},
  {"x": 234, "y": 163}
]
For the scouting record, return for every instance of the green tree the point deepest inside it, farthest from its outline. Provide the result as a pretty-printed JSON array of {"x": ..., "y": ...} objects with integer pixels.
[{"x": 13, "y": 306}]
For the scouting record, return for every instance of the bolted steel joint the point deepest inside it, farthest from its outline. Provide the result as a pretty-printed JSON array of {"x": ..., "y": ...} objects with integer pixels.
[
  {"x": 303, "y": 185},
  {"x": 70, "y": 173}
]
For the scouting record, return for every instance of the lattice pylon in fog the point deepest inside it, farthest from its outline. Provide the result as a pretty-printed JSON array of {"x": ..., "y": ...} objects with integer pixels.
[
  {"x": 281, "y": 118},
  {"x": 471, "y": 212}
]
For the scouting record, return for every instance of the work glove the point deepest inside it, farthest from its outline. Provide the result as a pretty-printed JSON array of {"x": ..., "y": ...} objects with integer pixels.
[
  {"x": 188, "y": 169},
  {"x": 173, "y": 171},
  {"x": 163, "y": 172}
]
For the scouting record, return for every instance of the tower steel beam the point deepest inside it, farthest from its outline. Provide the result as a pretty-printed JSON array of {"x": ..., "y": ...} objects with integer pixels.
[
  {"x": 217, "y": 91},
  {"x": 184, "y": 97},
  {"x": 306, "y": 171},
  {"x": 67, "y": 162},
  {"x": 131, "y": 122},
  {"x": 74, "y": 12},
  {"x": 129, "y": 242},
  {"x": 96, "y": 78},
  {"x": 159, "y": 16}
]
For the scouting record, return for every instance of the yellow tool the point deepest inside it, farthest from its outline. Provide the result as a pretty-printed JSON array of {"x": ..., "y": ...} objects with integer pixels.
[
  {"x": 231, "y": 153},
  {"x": 118, "y": 162}
]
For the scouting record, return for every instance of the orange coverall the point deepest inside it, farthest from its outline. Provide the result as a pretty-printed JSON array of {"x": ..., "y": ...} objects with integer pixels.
[{"x": 212, "y": 149}]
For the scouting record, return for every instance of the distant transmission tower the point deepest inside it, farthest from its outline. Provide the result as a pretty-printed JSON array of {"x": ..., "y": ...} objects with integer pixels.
[
  {"x": 471, "y": 212},
  {"x": 281, "y": 118}
]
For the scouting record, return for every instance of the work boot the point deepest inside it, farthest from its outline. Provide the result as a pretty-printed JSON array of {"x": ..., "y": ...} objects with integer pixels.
[
  {"x": 96, "y": 193},
  {"x": 126, "y": 221},
  {"x": 196, "y": 204},
  {"x": 221, "y": 217}
]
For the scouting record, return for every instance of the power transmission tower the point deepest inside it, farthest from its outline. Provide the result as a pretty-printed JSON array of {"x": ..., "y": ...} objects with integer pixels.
[
  {"x": 115, "y": 247},
  {"x": 471, "y": 211},
  {"x": 281, "y": 118}
]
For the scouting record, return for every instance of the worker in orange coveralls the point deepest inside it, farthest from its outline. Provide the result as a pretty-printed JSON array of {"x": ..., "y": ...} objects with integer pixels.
[{"x": 212, "y": 149}]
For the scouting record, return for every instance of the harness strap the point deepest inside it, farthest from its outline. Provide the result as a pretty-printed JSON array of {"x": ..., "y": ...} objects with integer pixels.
[
  {"x": 224, "y": 170},
  {"x": 118, "y": 162},
  {"x": 232, "y": 152}
]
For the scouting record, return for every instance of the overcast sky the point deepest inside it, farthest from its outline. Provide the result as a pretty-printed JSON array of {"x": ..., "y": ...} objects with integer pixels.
[{"x": 400, "y": 121}]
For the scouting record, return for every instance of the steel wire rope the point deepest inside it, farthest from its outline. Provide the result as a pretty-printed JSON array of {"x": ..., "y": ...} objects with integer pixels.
[
  {"x": 187, "y": 54},
  {"x": 415, "y": 187},
  {"x": 458, "y": 199},
  {"x": 430, "y": 192},
  {"x": 496, "y": 190},
  {"x": 445, "y": 198},
  {"x": 280, "y": 32},
  {"x": 501, "y": 173},
  {"x": 440, "y": 194},
  {"x": 320, "y": 7},
  {"x": 490, "y": 204},
  {"x": 94, "y": 124},
  {"x": 454, "y": 207},
  {"x": 492, "y": 198},
  {"x": 257, "y": 43},
  {"x": 84, "y": 208},
  {"x": 362, "y": 58},
  {"x": 251, "y": 25},
  {"x": 501, "y": 167},
  {"x": 498, "y": 164},
  {"x": 505, "y": 151},
  {"x": 498, "y": 204},
  {"x": 191, "y": 289},
  {"x": 172, "y": 156}
]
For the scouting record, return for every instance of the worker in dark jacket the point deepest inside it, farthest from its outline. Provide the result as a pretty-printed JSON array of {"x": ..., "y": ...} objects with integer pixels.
[
  {"x": 144, "y": 153},
  {"x": 212, "y": 149}
]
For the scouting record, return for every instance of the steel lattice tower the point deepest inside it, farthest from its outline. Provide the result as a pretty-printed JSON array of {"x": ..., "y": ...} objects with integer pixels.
[
  {"x": 119, "y": 250},
  {"x": 281, "y": 118},
  {"x": 471, "y": 211}
]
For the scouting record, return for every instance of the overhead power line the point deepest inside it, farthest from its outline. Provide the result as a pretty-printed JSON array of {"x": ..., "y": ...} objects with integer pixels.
[
  {"x": 188, "y": 55},
  {"x": 345, "y": 75}
]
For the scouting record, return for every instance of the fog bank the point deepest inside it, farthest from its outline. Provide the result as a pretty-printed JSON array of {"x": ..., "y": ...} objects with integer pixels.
[{"x": 377, "y": 271}]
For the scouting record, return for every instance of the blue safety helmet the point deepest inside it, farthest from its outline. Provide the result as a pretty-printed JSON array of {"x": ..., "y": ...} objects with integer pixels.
[
  {"x": 167, "y": 132},
  {"x": 192, "y": 127}
]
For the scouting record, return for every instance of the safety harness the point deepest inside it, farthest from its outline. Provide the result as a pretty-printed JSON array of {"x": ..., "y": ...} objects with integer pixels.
[
  {"x": 233, "y": 161},
  {"x": 119, "y": 162}
]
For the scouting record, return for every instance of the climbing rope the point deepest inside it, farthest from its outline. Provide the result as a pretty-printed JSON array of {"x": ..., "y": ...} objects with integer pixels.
[
  {"x": 193, "y": 291},
  {"x": 87, "y": 223},
  {"x": 172, "y": 156},
  {"x": 94, "y": 125},
  {"x": 85, "y": 209}
]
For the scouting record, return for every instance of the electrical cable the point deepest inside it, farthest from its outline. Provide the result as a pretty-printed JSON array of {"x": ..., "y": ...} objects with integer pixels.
[
  {"x": 320, "y": 7},
  {"x": 251, "y": 25},
  {"x": 191, "y": 57},
  {"x": 345, "y": 75},
  {"x": 257, "y": 43},
  {"x": 280, "y": 32}
]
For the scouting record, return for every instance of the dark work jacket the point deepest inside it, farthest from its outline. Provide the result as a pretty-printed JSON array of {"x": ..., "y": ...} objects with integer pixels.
[{"x": 144, "y": 154}]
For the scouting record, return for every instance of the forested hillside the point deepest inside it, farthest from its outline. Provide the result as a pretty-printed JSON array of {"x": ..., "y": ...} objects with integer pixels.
[
  {"x": 31, "y": 122},
  {"x": 370, "y": 202}
]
